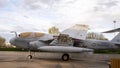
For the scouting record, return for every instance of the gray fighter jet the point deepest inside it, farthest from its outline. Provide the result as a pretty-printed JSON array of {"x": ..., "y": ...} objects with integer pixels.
[{"x": 71, "y": 40}]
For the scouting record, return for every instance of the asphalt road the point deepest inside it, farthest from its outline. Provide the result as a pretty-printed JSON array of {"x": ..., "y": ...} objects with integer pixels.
[{"x": 48, "y": 60}]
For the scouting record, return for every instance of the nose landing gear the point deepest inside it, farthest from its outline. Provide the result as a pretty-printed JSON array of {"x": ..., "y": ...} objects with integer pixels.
[{"x": 30, "y": 56}]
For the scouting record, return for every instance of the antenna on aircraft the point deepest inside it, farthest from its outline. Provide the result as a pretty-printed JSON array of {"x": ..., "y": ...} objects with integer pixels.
[{"x": 14, "y": 33}]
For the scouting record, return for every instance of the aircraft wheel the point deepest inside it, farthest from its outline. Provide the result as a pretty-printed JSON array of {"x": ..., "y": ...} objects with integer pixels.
[
  {"x": 30, "y": 56},
  {"x": 65, "y": 57}
]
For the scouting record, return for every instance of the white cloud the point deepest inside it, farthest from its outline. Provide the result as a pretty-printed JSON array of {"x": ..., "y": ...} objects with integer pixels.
[
  {"x": 39, "y": 15},
  {"x": 106, "y": 5},
  {"x": 20, "y": 23},
  {"x": 3, "y": 3}
]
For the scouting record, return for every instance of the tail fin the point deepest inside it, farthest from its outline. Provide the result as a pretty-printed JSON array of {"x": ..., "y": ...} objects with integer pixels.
[
  {"x": 78, "y": 31},
  {"x": 116, "y": 39}
]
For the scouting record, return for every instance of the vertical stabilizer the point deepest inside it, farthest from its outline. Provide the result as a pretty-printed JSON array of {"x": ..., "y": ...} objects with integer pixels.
[
  {"x": 116, "y": 39},
  {"x": 78, "y": 31}
]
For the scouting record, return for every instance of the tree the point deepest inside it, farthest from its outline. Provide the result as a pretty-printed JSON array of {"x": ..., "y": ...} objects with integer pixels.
[
  {"x": 2, "y": 42},
  {"x": 93, "y": 35},
  {"x": 53, "y": 30}
]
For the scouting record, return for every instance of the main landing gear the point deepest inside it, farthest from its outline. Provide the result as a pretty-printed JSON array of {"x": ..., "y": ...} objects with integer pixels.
[{"x": 65, "y": 57}]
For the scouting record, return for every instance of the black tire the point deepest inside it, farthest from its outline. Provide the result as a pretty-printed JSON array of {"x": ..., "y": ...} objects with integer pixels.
[
  {"x": 30, "y": 56},
  {"x": 65, "y": 57}
]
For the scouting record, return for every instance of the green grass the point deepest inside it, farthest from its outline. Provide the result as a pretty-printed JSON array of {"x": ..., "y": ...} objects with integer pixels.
[
  {"x": 117, "y": 51},
  {"x": 11, "y": 49}
]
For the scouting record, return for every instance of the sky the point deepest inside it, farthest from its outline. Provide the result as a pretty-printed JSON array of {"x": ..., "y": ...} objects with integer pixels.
[{"x": 40, "y": 15}]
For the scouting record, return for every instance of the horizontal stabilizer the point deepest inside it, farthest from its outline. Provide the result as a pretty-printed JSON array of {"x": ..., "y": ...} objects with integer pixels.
[
  {"x": 114, "y": 30},
  {"x": 64, "y": 49}
]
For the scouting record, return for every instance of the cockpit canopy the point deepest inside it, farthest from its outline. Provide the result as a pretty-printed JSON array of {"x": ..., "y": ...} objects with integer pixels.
[{"x": 31, "y": 34}]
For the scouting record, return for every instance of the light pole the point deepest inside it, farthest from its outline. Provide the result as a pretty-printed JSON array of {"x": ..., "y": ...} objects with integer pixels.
[{"x": 114, "y": 22}]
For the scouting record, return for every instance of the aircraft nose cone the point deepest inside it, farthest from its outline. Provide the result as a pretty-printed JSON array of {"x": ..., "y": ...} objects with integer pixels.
[{"x": 12, "y": 41}]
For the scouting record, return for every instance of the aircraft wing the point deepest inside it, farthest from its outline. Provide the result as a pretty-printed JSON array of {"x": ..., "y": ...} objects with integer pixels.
[
  {"x": 64, "y": 49},
  {"x": 114, "y": 30},
  {"x": 78, "y": 31},
  {"x": 46, "y": 37}
]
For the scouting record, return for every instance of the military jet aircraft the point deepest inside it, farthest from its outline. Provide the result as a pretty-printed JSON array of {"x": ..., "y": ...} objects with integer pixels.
[{"x": 71, "y": 40}]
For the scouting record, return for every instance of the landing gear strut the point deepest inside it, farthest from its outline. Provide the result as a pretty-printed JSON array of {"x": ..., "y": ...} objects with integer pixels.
[
  {"x": 30, "y": 55},
  {"x": 65, "y": 57}
]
